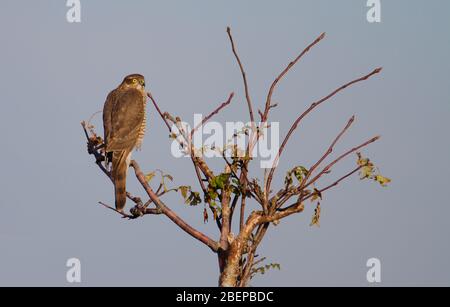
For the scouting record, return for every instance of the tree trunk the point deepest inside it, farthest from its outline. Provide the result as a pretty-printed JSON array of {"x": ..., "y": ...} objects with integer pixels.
[
  {"x": 230, "y": 260},
  {"x": 231, "y": 265}
]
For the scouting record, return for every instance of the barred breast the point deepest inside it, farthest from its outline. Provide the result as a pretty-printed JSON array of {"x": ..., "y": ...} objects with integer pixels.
[{"x": 141, "y": 132}]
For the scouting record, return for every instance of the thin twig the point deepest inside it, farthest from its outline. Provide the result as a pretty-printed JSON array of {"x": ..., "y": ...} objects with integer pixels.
[
  {"x": 339, "y": 180},
  {"x": 124, "y": 215},
  {"x": 242, "y": 213},
  {"x": 302, "y": 187},
  {"x": 198, "y": 163},
  {"x": 217, "y": 110},
  {"x": 244, "y": 77},
  {"x": 284, "y": 72},
  {"x": 137, "y": 211},
  {"x": 330, "y": 165},
  {"x": 233, "y": 205},
  {"x": 329, "y": 150},
  {"x": 149, "y": 95},
  {"x": 299, "y": 119}
]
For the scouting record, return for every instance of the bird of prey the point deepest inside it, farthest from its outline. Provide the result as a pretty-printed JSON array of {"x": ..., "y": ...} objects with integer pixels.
[{"x": 124, "y": 124}]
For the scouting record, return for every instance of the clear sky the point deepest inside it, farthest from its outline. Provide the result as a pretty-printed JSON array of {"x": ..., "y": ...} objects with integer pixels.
[{"x": 54, "y": 74}]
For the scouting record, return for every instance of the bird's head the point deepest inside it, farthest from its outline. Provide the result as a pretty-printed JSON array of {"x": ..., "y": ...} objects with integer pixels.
[{"x": 136, "y": 81}]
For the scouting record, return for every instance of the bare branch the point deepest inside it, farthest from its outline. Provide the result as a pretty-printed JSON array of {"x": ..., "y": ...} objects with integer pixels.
[
  {"x": 223, "y": 105},
  {"x": 199, "y": 176},
  {"x": 329, "y": 166},
  {"x": 286, "y": 195},
  {"x": 329, "y": 150},
  {"x": 137, "y": 211},
  {"x": 198, "y": 162},
  {"x": 283, "y": 73},
  {"x": 226, "y": 225},
  {"x": 299, "y": 119},
  {"x": 242, "y": 213},
  {"x": 244, "y": 77},
  {"x": 213, "y": 245},
  {"x": 282, "y": 213},
  {"x": 233, "y": 205},
  {"x": 339, "y": 180},
  {"x": 149, "y": 95},
  {"x": 124, "y": 215},
  {"x": 158, "y": 192},
  {"x": 323, "y": 189}
]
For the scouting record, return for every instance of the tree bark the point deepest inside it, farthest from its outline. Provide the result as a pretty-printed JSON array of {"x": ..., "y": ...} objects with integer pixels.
[{"x": 231, "y": 272}]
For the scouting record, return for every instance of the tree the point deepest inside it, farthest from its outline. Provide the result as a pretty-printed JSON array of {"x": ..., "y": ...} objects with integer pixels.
[{"x": 226, "y": 194}]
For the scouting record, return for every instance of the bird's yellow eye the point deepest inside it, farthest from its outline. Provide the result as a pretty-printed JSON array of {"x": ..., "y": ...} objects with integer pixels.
[{"x": 134, "y": 81}]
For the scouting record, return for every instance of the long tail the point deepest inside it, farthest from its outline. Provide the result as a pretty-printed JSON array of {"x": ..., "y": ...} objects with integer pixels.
[{"x": 119, "y": 173}]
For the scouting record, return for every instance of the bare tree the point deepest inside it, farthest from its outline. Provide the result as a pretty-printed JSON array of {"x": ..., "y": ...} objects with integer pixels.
[{"x": 224, "y": 193}]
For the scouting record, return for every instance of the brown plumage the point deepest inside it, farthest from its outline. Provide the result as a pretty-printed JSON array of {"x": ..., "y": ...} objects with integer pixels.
[{"x": 124, "y": 128}]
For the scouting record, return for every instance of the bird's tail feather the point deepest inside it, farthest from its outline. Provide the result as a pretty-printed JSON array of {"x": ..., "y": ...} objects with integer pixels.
[{"x": 119, "y": 173}]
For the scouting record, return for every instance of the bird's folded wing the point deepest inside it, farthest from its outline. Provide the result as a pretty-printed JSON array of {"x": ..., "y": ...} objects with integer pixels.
[{"x": 126, "y": 120}]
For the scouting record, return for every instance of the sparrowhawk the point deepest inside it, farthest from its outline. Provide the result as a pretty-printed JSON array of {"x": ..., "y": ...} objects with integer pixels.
[{"x": 124, "y": 124}]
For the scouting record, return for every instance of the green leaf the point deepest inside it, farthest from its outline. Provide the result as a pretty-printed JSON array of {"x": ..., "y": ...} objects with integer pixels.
[
  {"x": 219, "y": 182},
  {"x": 300, "y": 172},
  {"x": 149, "y": 176},
  {"x": 366, "y": 172},
  {"x": 212, "y": 194},
  {"x": 382, "y": 180},
  {"x": 288, "y": 179},
  {"x": 264, "y": 268},
  {"x": 194, "y": 199},
  {"x": 369, "y": 171},
  {"x": 184, "y": 190}
]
